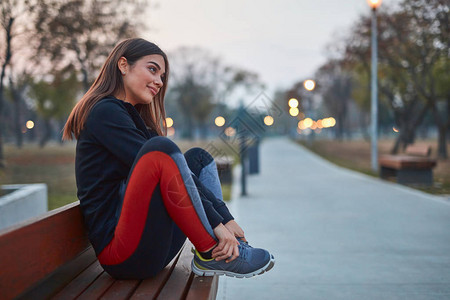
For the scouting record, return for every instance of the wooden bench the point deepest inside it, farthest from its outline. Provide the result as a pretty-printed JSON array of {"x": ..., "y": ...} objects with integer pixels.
[
  {"x": 51, "y": 258},
  {"x": 415, "y": 167},
  {"x": 418, "y": 150}
]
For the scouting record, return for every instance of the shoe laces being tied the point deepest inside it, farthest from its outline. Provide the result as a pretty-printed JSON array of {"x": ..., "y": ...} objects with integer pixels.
[
  {"x": 243, "y": 253},
  {"x": 243, "y": 243}
]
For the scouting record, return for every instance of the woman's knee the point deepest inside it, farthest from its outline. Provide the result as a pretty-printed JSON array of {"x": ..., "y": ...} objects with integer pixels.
[
  {"x": 161, "y": 144},
  {"x": 197, "y": 158}
]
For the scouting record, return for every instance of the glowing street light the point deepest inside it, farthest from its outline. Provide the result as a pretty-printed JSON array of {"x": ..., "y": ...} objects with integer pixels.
[
  {"x": 219, "y": 121},
  {"x": 332, "y": 121},
  {"x": 293, "y": 103},
  {"x": 374, "y": 4},
  {"x": 328, "y": 122},
  {"x": 301, "y": 125},
  {"x": 230, "y": 131},
  {"x": 268, "y": 120},
  {"x": 308, "y": 122},
  {"x": 294, "y": 111},
  {"x": 30, "y": 124},
  {"x": 309, "y": 84},
  {"x": 319, "y": 124},
  {"x": 169, "y": 122}
]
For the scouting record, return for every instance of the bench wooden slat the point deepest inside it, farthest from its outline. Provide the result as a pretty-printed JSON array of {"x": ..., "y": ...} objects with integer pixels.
[
  {"x": 121, "y": 289},
  {"x": 98, "y": 287},
  {"x": 203, "y": 287},
  {"x": 418, "y": 150},
  {"x": 80, "y": 283},
  {"x": 405, "y": 162},
  {"x": 35, "y": 246},
  {"x": 48, "y": 286},
  {"x": 179, "y": 280},
  {"x": 150, "y": 288}
]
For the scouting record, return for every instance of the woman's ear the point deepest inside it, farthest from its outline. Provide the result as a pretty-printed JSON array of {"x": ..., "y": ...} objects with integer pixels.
[{"x": 122, "y": 64}]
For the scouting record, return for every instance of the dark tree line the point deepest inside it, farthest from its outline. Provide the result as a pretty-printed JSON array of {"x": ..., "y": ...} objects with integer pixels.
[
  {"x": 48, "y": 46},
  {"x": 51, "y": 51},
  {"x": 413, "y": 62}
]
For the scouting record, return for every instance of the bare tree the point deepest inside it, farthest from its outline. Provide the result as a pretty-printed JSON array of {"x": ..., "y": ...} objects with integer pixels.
[
  {"x": 200, "y": 81},
  {"x": 336, "y": 90},
  {"x": 12, "y": 13},
  {"x": 82, "y": 32},
  {"x": 54, "y": 98},
  {"x": 412, "y": 51}
]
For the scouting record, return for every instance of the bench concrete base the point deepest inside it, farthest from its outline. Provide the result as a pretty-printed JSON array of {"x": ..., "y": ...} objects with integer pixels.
[
  {"x": 409, "y": 176},
  {"x": 24, "y": 201}
]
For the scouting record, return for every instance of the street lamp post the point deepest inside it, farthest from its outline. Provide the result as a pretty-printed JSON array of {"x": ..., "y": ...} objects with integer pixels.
[
  {"x": 310, "y": 85},
  {"x": 374, "y": 86}
]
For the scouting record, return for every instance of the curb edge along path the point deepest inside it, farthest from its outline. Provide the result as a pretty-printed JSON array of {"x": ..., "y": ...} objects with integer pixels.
[{"x": 338, "y": 234}]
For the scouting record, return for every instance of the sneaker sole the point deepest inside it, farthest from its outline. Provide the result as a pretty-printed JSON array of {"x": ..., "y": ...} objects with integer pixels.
[{"x": 264, "y": 269}]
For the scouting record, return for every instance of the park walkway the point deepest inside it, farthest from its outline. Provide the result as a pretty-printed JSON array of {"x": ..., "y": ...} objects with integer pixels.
[{"x": 337, "y": 234}]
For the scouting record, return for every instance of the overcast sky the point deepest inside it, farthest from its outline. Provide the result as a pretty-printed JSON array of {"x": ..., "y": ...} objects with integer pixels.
[{"x": 283, "y": 41}]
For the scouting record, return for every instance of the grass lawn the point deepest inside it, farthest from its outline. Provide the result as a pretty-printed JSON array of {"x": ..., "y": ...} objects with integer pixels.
[
  {"x": 55, "y": 166},
  {"x": 356, "y": 155}
]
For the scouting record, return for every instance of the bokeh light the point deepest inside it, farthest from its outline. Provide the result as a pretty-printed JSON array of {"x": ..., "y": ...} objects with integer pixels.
[
  {"x": 308, "y": 122},
  {"x": 230, "y": 131},
  {"x": 319, "y": 124},
  {"x": 170, "y": 131},
  {"x": 294, "y": 111},
  {"x": 328, "y": 122},
  {"x": 301, "y": 125},
  {"x": 30, "y": 124},
  {"x": 169, "y": 122},
  {"x": 219, "y": 121},
  {"x": 309, "y": 84},
  {"x": 268, "y": 120},
  {"x": 374, "y": 3},
  {"x": 293, "y": 102},
  {"x": 332, "y": 121},
  {"x": 395, "y": 129}
]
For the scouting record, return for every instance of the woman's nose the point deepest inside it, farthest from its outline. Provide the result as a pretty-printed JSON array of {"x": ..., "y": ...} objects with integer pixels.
[{"x": 158, "y": 82}]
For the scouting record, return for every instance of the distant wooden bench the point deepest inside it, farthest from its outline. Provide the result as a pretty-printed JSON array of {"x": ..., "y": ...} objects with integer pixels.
[
  {"x": 224, "y": 168},
  {"x": 418, "y": 150},
  {"x": 51, "y": 258},
  {"x": 415, "y": 167}
]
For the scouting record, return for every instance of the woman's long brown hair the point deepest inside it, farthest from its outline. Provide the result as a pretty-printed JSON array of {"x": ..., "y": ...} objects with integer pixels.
[{"x": 109, "y": 82}]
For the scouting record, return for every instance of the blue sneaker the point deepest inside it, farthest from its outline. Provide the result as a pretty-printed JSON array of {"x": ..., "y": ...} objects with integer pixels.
[
  {"x": 243, "y": 243},
  {"x": 250, "y": 262},
  {"x": 246, "y": 244}
]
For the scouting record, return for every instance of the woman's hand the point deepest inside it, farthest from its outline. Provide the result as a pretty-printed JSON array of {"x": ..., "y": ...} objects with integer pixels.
[
  {"x": 235, "y": 229},
  {"x": 228, "y": 245}
]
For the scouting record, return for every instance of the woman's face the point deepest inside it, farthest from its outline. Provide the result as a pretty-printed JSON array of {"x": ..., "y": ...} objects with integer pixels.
[{"x": 144, "y": 79}]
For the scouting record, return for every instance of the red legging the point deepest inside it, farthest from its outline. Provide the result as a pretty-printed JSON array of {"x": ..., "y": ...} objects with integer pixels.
[{"x": 160, "y": 199}]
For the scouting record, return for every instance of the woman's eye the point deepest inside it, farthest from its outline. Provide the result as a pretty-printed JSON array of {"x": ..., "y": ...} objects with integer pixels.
[{"x": 153, "y": 69}]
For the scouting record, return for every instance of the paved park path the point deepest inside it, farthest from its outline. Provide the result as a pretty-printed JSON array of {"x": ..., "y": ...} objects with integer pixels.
[{"x": 337, "y": 234}]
